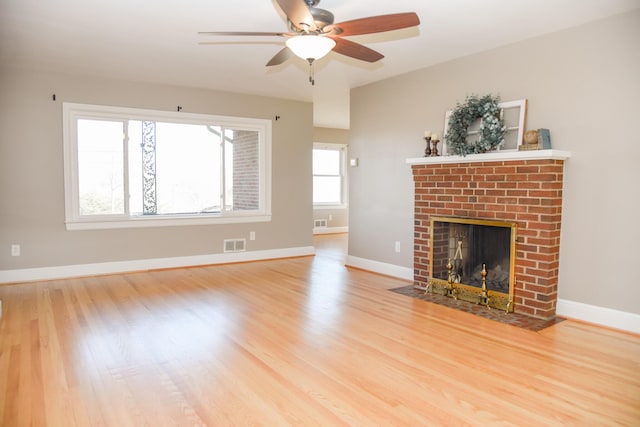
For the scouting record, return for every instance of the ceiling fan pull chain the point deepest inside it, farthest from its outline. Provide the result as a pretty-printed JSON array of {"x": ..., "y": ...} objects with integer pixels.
[{"x": 312, "y": 79}]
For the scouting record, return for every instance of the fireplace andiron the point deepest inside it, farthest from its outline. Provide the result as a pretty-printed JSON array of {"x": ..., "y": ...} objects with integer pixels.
[
  {"x": 450, "y": 290},
  {"x": 483, "y": 296}
]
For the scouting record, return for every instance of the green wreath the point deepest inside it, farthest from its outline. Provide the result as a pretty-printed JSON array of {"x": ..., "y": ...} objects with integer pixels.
[{"x": 492, "y": 128}]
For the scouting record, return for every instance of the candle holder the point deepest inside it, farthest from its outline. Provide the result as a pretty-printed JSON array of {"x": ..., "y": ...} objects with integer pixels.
[
  {"x": 427, "y": 151},
  {"x": 434, "y": 147}
]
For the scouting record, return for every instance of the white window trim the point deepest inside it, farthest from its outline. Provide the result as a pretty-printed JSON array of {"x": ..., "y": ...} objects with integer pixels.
[
  {"x": 343, "y": 148},
  {"x": 74, "y": 221}
]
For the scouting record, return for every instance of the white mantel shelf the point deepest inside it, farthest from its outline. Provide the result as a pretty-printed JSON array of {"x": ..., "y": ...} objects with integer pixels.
[{"x": 494, "y": 156}]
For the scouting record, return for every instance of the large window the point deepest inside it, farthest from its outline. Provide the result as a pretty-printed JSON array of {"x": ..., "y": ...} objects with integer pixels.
[
  {"x": 127, "y": 168},
  {"x": 329, "y": 182}
]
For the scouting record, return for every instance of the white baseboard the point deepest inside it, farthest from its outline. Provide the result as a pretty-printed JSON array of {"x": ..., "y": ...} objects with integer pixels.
[
  {"x": 48, "y": 273},
  {"x": 330, "y": 230},
  {"x": 603, "y": 316},
  {"x": 380, "y": 267}
]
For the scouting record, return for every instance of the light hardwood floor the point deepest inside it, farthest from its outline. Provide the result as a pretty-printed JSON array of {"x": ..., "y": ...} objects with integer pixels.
[{"x": 301, "y": 341}]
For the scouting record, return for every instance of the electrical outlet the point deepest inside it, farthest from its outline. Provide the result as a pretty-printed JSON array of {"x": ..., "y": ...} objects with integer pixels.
[
  {"x": 397, "y": 246},
  {"x": 252, "y": 235},
  {"x": 330, "y": 217},
  {"x": 15, "y": 250}
]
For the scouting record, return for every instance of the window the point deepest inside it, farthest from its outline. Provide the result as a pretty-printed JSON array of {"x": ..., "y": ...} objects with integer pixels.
[
  {"x": 129, "y": 168},
  {"x": 329, "y": 183}
]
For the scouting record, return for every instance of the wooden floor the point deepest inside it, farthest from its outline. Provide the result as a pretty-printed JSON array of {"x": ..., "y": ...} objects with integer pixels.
[{"x": 300, "y": 341}]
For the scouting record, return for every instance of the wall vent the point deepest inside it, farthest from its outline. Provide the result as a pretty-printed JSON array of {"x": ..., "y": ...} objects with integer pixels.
[
  {"x": 235, "y": 245},
  {"x": 319, "y": 223}
]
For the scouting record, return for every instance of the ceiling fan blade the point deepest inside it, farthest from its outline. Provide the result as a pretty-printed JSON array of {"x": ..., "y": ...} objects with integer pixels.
[
  {"x": 281, "y": 57},
  {"x": 298, "y": 13},
  {"x": 375, "y": 24},
  {"x": 356, "y": 50},
  {"x": 243, "y": 33}
]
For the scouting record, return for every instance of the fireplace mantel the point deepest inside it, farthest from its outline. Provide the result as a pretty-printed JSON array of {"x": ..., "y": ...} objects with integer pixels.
[{"x": 494, "y": 156}]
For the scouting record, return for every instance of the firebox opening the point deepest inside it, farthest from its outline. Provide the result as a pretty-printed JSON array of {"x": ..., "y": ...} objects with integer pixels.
[{"x": 473, "y": 260}]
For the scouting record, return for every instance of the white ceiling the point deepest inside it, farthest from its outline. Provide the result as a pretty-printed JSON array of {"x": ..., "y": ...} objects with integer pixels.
[{"x": 157, "y": 41}]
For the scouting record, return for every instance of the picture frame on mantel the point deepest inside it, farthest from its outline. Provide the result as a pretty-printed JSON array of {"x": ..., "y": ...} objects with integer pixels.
[{"x": 514, "y": 115}]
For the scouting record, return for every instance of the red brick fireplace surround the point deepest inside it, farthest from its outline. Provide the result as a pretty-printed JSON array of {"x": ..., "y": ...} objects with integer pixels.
[{"x": 523, "y": 187}]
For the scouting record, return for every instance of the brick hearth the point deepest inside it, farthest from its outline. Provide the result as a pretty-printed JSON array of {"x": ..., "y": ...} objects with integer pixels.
[{"x": 522, "y": 187}]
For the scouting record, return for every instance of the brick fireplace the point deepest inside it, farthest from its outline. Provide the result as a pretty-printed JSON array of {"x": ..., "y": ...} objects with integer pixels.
[{"x": 524, "y": 187}]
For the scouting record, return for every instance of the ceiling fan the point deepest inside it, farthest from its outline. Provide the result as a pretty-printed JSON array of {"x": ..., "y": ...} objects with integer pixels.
[{"x": 312, "y": 33}]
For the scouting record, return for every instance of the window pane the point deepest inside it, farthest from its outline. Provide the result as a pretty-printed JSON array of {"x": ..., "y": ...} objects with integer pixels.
[
  {"x": 135, "y": 167},
  {"x": 187, "y": 168},
  {"x": 243, "y": 170},
  {"x": 228, "y": 169},
  {"x": 326, "y": 162},
  {"x": 326, "y": 189},
  {"x": 100, "y": 167}
]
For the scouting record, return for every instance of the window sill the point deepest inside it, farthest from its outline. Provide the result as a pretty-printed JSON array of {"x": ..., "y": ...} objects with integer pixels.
[
  {"x": 327, "y": 207},
  {"x": 166, "y": 221}
]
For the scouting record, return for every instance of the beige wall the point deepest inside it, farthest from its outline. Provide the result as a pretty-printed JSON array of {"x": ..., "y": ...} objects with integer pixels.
[
  {"x": 332, "y": 135},
  {"x": 584, "y": 85},
  {"x": 31, "y": 172}
]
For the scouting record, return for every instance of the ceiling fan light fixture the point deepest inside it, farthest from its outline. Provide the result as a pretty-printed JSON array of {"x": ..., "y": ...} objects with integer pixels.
[{"x": 310, "y": 46}]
